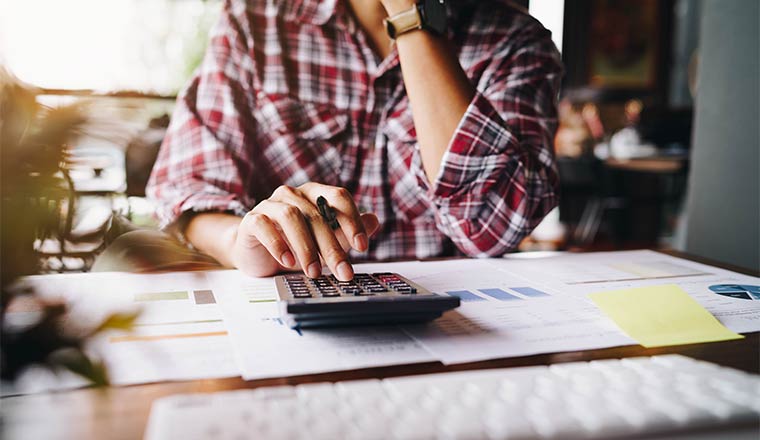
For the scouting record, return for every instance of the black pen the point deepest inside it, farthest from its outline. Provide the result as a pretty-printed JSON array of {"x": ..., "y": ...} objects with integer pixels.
[{"x": 327, "y": 213}]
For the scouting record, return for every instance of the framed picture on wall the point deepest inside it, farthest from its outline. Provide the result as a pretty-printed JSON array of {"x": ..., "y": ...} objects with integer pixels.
[{"x": 623, "y": 44}]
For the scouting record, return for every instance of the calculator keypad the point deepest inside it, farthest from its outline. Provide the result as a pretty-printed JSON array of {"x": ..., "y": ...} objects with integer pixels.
[{"x": 364, "y": 284}]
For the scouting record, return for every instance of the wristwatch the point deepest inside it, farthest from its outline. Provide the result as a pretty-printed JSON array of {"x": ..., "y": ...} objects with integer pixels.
[{"x": 429, "y": 15}]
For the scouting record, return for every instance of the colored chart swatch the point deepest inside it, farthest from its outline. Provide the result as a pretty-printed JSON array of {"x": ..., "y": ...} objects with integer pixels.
[
  {"x": 147, "y": 338},
  {"x": 161, "y": 296},
  {"x": 499, "y": 294},
  {"x": 204, "y": 297},
  {"x": 529, "y": 291},
  {"x": 465, "y": 295}
]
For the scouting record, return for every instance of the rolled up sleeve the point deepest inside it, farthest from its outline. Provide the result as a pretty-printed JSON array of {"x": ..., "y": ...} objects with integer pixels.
[
  {"x": 203, "y": 164},
  {"x": 498, "y": 177}
]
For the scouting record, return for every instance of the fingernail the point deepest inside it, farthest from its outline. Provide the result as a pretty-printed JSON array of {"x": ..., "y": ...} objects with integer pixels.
[
  {"x": 314, "y": 270},
  {"x": 345, "y": 273},
  {"x": 360, "y": 241},
  {"x": 287, "y": 259}
]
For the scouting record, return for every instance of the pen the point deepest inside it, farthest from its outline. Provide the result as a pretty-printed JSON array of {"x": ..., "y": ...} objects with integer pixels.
[{"x": 327, "y": 212}]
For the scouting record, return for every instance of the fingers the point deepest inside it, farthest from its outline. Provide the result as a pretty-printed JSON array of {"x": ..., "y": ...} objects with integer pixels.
[
  {"x": 318, "y": 231},
  {"x": 260, "y": 226},
  {"x": 330, "y": 248},
  {"x": 298, "y": 234},
  {"x": 327, "y": 242},
  {"x": 347, "y": 214},
  {"x": 290, "y": 227},
  {"x": 371, "y": 223}
]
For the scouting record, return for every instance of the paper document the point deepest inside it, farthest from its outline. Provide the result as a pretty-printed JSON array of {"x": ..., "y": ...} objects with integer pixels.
[
  {"x": 518, "y": 307},
  {"x": 586, "y": 270},
  {"x": 510, "y": 307},
  {"x": 267, "y": 347},
  {"x": 717, "y": 290},
  {"x": 718, "y": 296},
  {"x": 179, "y": 333},
  {"x": 505, "y": 315},
  {"x": 659, "y": 316}
]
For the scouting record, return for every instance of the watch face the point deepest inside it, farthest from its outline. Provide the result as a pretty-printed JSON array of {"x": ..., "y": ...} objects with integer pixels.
[{"x": 434, "y": 15}]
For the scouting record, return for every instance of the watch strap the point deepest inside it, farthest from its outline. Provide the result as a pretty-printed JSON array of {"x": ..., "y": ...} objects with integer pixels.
[{"x": 403, "y": 22}]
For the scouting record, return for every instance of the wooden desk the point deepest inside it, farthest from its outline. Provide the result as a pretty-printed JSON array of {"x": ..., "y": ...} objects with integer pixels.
[
  {"x": 658, "y": 165},
  {"x": 122, "y": 412}
]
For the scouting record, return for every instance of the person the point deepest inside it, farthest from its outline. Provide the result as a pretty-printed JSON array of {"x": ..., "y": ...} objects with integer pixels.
[{"x": 435, "y": 143}]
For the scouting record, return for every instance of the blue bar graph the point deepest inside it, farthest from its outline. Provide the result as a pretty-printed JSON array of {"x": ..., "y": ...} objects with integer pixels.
[
  {"x": 529, "y": 291},
  {"x": 499, "y": 294},
  {"x": 465, "y": 295}
]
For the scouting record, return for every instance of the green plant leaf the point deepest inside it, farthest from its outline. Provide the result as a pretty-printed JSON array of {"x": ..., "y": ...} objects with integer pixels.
[
  {"x": 118, "y": 321},
  {"x": 76, "y": 361}
]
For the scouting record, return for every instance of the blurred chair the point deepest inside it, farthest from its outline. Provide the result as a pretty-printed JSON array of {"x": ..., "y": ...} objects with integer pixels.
[{"x": 626, "y": 199}]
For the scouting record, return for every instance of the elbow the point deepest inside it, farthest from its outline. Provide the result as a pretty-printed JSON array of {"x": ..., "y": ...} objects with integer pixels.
[
  {"x": 499, "y": 227},
  {"x": 482, "y": 239}
]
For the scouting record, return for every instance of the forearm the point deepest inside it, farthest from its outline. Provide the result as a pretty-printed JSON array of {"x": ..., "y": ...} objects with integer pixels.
[{"x": 439, "y": 91}]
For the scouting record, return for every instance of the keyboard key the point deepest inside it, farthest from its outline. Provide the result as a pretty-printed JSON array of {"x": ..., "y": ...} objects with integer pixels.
[{"x": 415, "y": 425}]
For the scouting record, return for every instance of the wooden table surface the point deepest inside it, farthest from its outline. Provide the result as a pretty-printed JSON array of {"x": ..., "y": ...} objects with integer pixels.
[{"x": 122, "y": 412}]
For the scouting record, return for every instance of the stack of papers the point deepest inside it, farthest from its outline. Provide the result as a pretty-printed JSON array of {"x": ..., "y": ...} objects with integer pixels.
[
  {"x": 180, "y": 332},
  {"x": 222, "y": 323}
]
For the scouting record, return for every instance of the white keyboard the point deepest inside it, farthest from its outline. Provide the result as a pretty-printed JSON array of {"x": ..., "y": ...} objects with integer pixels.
[{"x": 598, "y": 399}]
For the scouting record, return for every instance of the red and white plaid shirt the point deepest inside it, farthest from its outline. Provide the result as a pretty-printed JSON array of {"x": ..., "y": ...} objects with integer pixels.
[{"x": 291, "y": 92}]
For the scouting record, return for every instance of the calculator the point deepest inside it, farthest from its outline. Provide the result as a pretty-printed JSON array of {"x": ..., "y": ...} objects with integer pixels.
[{"x": 369, "y": 298}]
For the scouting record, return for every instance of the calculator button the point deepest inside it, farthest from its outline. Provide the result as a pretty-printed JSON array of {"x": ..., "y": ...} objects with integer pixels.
[
  {"x": 302, "y": 295},
  {"x": 300, "y": 292}
]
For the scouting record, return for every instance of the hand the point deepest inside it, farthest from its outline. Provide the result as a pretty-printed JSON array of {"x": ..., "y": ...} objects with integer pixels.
[{"x": 291, "y": 230}]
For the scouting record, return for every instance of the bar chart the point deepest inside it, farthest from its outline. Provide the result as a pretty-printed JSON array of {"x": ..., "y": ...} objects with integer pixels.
[
  {"x": 468, "y": 281},
  {"x": 497, "y": 294}
]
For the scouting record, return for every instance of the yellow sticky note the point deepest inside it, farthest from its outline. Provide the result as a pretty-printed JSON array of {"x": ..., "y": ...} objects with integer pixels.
[{"x": 658, "y": 316}]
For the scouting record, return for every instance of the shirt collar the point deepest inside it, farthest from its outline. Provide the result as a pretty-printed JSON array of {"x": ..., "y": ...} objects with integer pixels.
[{"x": 316, "y": 12}]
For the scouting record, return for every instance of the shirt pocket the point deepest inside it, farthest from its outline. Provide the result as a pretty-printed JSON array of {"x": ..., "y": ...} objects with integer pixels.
[
  {"x": 409, "y": 198},
  {"x": 300, "y": 141}
]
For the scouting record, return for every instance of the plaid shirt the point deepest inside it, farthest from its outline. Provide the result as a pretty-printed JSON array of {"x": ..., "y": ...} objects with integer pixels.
[{"x": 291, "y": 92}]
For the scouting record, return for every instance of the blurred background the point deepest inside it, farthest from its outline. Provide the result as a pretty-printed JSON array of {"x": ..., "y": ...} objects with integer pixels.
[{"x": 624, "y": 144}]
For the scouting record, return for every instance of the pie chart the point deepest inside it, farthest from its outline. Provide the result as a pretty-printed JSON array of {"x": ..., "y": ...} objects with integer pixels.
[{"x": 740, "y": 291}]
